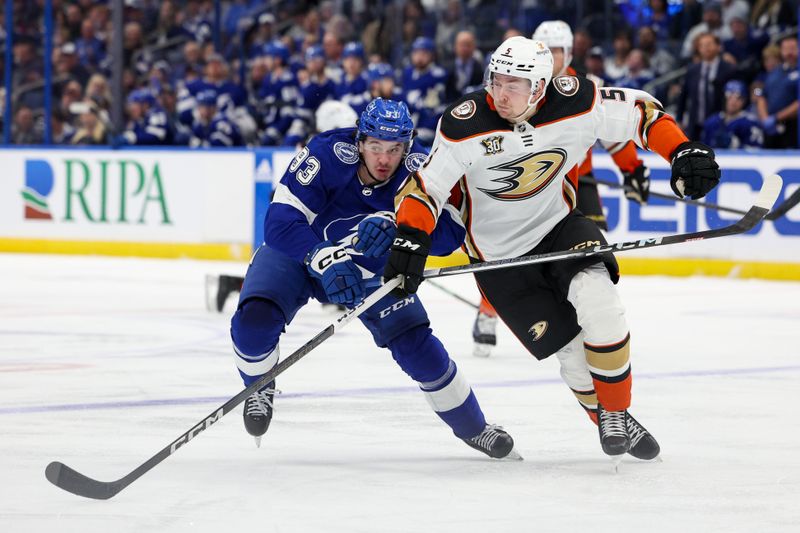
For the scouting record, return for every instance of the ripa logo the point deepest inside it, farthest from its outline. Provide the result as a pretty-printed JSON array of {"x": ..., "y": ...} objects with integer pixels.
[{"x": 38, "y": 186}]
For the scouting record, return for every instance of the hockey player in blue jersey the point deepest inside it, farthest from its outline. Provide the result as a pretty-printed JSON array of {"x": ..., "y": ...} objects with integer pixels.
[
  {"x": 279, "y": 94},
  {"x": 424, "y": 84},
  {"x": 148, "y": 124},
  {"x": 327, "y": 232},
  {"x": 209, "y": 127},
  {"x": 734, "y": 127},
  {"x": 353, "y": 90}
]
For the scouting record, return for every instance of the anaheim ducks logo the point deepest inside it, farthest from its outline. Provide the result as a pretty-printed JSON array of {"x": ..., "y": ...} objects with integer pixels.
[
  {"x": 538, "y": 330},
  {"x": 566, "y": 85},
  {"x": 527, "y": 176},
  {"x": 465, "y": 110}
]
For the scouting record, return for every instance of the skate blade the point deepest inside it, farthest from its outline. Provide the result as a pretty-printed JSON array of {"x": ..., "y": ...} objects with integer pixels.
[
  {"x": 615, "y": 462},
  {"x": 482, "y": 350},
  {"x": 513, "y": 455}
]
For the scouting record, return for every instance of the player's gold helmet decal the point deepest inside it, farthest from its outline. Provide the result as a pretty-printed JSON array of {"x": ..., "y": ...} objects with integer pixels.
[{"x": 527, "y": 176}]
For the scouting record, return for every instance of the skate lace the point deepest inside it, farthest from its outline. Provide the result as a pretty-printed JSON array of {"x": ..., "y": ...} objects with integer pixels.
[
  {"x": 260, "y": 403},
  {"x": 612, "y": 423},
  {"x": 635, "y": 431},
  {"x": 487, "y": 437}
]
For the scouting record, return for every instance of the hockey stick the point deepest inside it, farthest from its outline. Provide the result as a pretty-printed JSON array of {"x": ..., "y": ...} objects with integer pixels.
[
  {"x": 769, "y": 192},
  {"x": 776, "y": 213},
  {"x": 73, "y": 481},
  {"x": 784, "y": 208}
]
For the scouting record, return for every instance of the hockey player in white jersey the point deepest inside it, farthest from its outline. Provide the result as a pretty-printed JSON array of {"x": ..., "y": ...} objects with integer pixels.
[
  {"x": 557, "y": 35},
  {"x": 513, "y": 152}
]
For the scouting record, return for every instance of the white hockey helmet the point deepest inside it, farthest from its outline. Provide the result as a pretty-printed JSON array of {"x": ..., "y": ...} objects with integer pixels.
[
  {"x": 556, "y": 34},
  {"x": 523, "y": 58},
  {"x": 333, "y": 114}
]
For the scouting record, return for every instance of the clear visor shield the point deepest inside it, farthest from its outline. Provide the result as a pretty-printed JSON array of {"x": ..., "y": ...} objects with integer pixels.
[{"x": 512, "y": 86}]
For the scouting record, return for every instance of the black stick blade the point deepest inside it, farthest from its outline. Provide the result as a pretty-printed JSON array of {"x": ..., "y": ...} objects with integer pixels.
[{"x": 73, "y": 481}]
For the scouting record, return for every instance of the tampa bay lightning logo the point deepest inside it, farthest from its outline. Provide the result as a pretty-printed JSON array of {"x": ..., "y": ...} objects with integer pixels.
[
  {"x": 414, "y": 161},
  {"x": 346, "y": 152}
]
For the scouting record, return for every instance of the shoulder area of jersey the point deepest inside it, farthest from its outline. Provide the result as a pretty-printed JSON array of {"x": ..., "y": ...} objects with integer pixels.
[
  {"x": 469, "y": 116},
  {"x": 338, "y": 145},
  {"x": 415, "y": 158},
  {"x": 566, "y": 97}
]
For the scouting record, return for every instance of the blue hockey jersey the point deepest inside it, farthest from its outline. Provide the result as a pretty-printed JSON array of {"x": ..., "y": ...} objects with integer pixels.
[
  {"x": 230, "y": 97},
  {"x": 424, "y": 91},
  {"x": 220, "y": 132},
  {"x": 353, "y": 92},
  {"x": 320, "y": 198},
  {"x": 742, "y": 131},
  {"x": 152, "y": 129}
]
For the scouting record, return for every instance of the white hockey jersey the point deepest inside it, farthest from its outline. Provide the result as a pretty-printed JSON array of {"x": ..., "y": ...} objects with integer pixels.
[{"x": 514, "y": 180}]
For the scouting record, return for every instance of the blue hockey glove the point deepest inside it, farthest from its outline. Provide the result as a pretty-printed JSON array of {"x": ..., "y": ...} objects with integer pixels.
[
  {"x": 694, "y": 171},
  {"x": 375, "y": 234},
  {"x": 339, "y": 275},
  {"x": 770, "y": 125}
]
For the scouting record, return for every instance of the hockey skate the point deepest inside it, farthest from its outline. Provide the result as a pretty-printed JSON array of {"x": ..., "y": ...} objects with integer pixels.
[
  {"x": 484, "y": 334},
  {"x": 219, "y": 288},
  {"x": 613, "y": 429},
  {"x": 258, "y": 410},
  {"x": 643, "y": 445},
  {"x": 494, "y": 442}
]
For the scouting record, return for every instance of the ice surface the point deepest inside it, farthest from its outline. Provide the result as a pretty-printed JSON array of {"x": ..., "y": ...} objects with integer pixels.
[{"x": 104, "y": 361}]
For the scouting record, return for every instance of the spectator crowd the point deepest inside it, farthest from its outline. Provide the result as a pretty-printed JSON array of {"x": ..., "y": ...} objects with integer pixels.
[{"x": 727, "y": 70}]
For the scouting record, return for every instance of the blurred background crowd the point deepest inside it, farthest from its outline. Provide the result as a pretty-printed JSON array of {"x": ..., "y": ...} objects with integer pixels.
[{"x": 244, "y": 72}]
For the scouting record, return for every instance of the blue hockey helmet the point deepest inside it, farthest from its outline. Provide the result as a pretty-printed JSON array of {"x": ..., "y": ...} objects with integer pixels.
[
  {"x": 207, "y": 97},
  {"x": 423, "y": 43},
  {"x": 379, "y": 71},
  {"x": 386, "y": 120},
  {"x": 353, "y": 49},
  {"x": 314, "y": 52},
  {"x": 142, "y": 96},
  {"x": 277, "y": 49},
  {"x": 736, "y": 87}
]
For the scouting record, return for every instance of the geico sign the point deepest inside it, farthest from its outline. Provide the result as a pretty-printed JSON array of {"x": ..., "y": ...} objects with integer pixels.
[{"x": 689, "y": 218}]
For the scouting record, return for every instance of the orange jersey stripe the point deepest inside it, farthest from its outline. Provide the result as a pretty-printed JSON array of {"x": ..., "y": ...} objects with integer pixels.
[
  {"x": 665, "y": 136},
  {"x": 415, "y": 213},
  {"x": 627, "y": 159},
  {"x": 586, "y": 165}
]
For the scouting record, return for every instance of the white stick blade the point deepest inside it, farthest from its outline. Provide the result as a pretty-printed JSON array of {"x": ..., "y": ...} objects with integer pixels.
[{"x": 769, "y": 192}]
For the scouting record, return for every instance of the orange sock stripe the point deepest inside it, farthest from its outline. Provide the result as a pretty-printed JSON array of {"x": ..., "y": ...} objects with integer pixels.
[
  {"x": 486, "y": 308},
  {"x": 614, "y": 396}
]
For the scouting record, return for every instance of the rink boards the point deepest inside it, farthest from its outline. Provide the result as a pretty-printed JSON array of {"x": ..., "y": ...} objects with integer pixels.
[{"x": 211, "y": 203}]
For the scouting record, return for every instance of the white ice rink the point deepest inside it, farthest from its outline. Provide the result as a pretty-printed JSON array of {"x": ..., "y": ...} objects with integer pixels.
[{"x": 104, "y": 361}]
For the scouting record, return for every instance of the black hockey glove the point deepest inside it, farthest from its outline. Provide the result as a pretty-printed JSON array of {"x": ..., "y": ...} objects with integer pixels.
[
  {"x": 694, "y": 171},
  {"x": 407, "y": 257},
  {"x": 637, "y": 184}
]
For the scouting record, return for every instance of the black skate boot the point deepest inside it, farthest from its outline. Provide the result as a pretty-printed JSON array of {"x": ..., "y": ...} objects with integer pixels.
[
  {"x": 613, "y": 428},
  {"x": 258, "y": 412},
  {"x": 494, "y": 442},
  {"x": 484, "y": 334},
  {"x": 227, "y": 285},
  {"x": 643, "y": 445}
]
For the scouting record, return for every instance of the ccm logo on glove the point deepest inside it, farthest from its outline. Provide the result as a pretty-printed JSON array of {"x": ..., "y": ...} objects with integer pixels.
[
  {"x": 327, "y": 260},
  {"x": 405, "y": 244}
]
